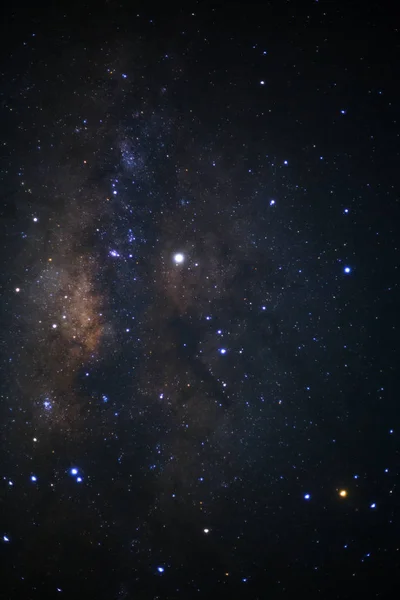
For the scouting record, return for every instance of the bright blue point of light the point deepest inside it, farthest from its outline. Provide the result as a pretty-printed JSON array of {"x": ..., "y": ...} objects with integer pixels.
[
  {"x": 124, "y": 75},
  {"x": 346, "y": 210},
  {"x": 347, "y": 270},
  {"x": 105, "y": 398},
  {"x": 222, "y": 350},
  {"x": 160, "y": 569},
  {"x": 343, "y": 112},
  {"x": 74, "y": 471},
  {"x": 33, "y": 478},
  {"x": 79, "y": 479},
  {"x": 307, "y": 496},
  {"x": 355, "y": 476},
  {"x": 271, "y": 202},
  {"x": 5, "y": 538},
  {"x": 47, "y": 404},
  {"x": 244, "y": 579},
  {"x": 373, "y": 505}
]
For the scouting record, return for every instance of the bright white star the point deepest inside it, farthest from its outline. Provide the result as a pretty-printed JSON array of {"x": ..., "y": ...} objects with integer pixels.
[{"x": 179, "y": 258}]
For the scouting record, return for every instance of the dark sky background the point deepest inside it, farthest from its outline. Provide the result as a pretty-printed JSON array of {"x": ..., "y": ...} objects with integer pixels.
[{"x": 199, "y": 301}]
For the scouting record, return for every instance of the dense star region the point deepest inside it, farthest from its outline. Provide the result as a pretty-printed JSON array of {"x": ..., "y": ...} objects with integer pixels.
[{"x": 199, "y": 292}]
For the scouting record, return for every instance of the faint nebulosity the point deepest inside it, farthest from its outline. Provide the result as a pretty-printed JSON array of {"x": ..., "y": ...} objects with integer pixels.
[{"x": 199, "y": 302}]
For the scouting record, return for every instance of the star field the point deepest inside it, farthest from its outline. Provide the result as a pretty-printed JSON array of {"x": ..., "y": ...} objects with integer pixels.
[{"x": 199, "y": 293}]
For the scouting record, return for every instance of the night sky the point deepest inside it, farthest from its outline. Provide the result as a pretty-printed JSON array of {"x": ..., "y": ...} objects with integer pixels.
[{"x": 199, "y": 301}]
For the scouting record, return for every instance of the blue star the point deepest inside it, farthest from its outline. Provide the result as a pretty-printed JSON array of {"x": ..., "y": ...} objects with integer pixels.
[
  {"x": 307, "y": 496},
  {"x": 160, "y": 569},
  {"x": 373, "y": 505},
  {"x": 33, "y": 478},
  {"x": 347, "y": 270},
  {"x": 74, "y": 471},
  {"x": 222, "y": 350}
]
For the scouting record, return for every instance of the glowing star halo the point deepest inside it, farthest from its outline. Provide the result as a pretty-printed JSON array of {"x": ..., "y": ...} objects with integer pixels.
[{"x": 179, "y": 258}]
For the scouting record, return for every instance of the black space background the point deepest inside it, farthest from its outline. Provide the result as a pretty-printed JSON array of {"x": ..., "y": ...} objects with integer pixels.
[{"x": 330, "y": 408}]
